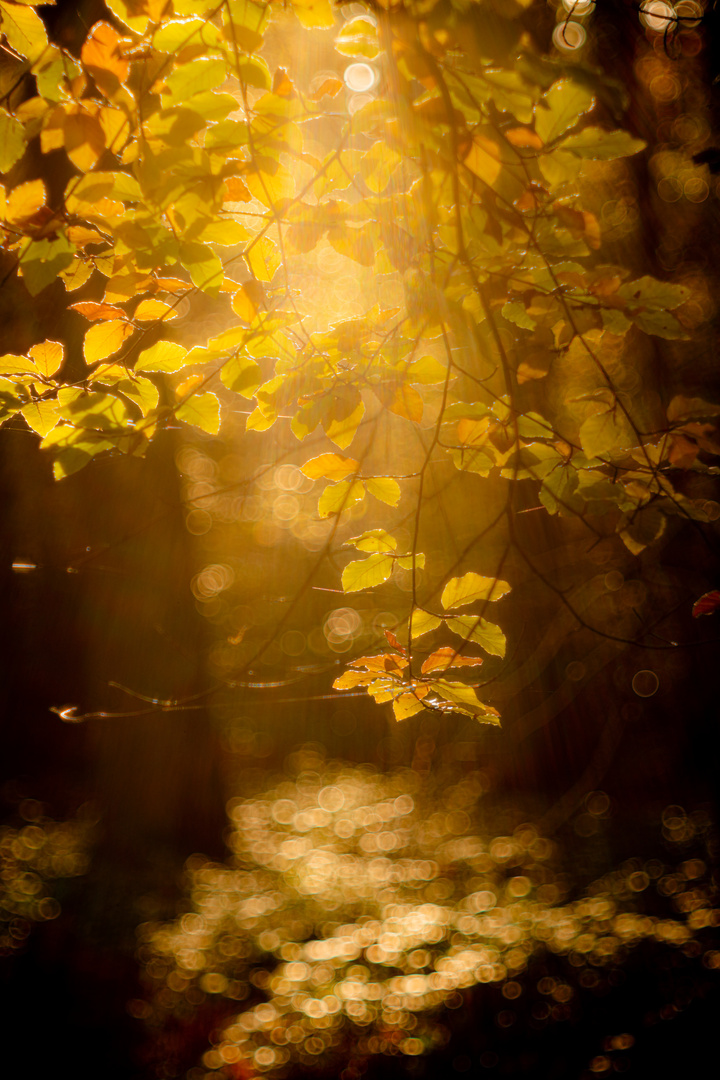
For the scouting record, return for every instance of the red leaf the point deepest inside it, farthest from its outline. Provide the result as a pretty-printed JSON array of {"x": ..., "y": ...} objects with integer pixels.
[{"x": 707, "y": 604}]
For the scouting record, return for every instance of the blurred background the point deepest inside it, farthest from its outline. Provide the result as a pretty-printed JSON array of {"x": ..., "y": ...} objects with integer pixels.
[{"x": 265, "y": 877}]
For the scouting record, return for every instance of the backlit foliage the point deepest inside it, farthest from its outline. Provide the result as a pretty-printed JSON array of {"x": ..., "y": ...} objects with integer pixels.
[
  {"x": 355, "y": 906},
  {"x": 446, "y": 172}
]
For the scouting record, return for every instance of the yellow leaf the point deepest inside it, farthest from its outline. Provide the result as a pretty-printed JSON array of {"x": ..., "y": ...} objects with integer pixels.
[
  {"x": 42, "y": 416},
  {"x": 24, "y": 30},
  {"x": 384, "y": 488},
  {"x": 162, "y": 356},
  {"x": 244, "y": 304},
  {"x": 407, "y": 705},
  {"x": 263, "y": 259},
  {"x": 203, "y": 411},
  {"x": 366, "y": 573},
  {"x": 422, "y": 622},
  {"x": 104, "y": 339},
  {"x": 342, "y": 431},
  {"x": 314, "y": 13},
  {"x": 483, "y": 159},
  {"x": 84, "y": 139},
  {"x": 339, "y": 497},
  {"x": 149, "y": 310},
  {"x": 24, "y": 201},
  {"x": 331, "y": 466},
  {"x": 80, "y": 235},
  {"x": 471, "y": 587},
  {"x": 48, "y": 356},
  {"x": 116, "y": 127}
]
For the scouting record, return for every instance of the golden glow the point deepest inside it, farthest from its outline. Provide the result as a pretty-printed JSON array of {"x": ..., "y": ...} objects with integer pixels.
[{"x": 362, "y": 902}]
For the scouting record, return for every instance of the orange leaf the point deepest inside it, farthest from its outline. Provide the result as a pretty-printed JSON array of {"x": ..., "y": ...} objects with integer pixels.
[
  {"x": 101, "y": 54},
  {"x": 282, "y": 86},
  {"x": 682, "y": 451},
  {"x": 447, "y": 657},
  {"x": 523, "y": 136},
  {"x": 385, "y": 662},
  {"x": 235, "y": 190},
  {"x": 169, "y": 284},
  {"x": 403, "y": 400},
  {"x": 331, "y": 87},
  {"x": 392, "y": 640},
  {"x": 90, "y": 310}
]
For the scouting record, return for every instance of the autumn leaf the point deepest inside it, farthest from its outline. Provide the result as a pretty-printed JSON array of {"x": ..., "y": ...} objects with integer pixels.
[
  {"x": 373, "y": 540},
  {"x": 365, "y": 573},
  {"x": 471, "y": 587},
  {"x": 339, "y": 497},
  {"x": 102, "y": 56},
  {"x": 48, "y": 357},
  {"x": 331, "y": 466},
  {"x": 93, "y": 311},
  {"x": 422, "y": 622},
  {"x": 384, "y": 488},
  {"x": 708, "y": 603},
  {"x": 447, "y": 657},
  {"x": 407, "y": 705},
  {"x": 105, "y": 339},
  {"x": 162, "y": 356}
]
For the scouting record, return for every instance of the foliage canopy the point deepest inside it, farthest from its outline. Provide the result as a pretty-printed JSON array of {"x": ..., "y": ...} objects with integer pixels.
[{"x": 499, "y": 347}]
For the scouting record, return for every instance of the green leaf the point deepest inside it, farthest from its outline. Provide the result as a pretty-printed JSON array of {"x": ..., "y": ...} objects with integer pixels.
[
  {"x": 203, "y": 265},
  {"x": 374, "y": 540},
  {"x": 187, "y": 80},
  {"x": 242, "y": 375},
  {"x": 607, "y": 433},
  {"x": 646, "y": 525},
  {"x": 42, "y": 262},
  {"x": 471, "y": 587},
  {"x": 601, "y": 145},
  {"x": 516, "y": 313},
  {"x": 384, "y": 488},
  {"x": 422, "y": 622},
  {"x": 464, "y": 696},
  {"x": 485, "y": 634},
  {"x": 561, "y": 108},
  {"x": 201, "y": 410},
  {"x": 339, "y": 497},
  {"x": 365, "y": 573},
  {"x": 162, "y": 356},
  {"x": 12, "y": 141}
]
